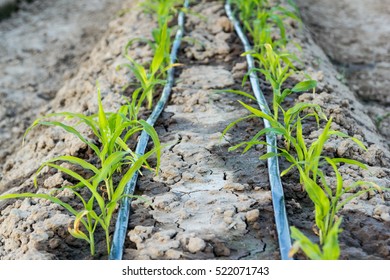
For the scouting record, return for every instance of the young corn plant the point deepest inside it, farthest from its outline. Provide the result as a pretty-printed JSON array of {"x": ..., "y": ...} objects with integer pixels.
[
  {"x": 149, "y": 78},
  {"x": 165, "y": 10},
  {"x": 309, "y": 161},
  {"x": 277, "y": 68},
  {"x": 112, "y": 130},
  {"x": 328, "y": 201},
  {"x": 276, "y": 74},
  {"x": 286, "y": 129},
  {"x": 259, "y": 18}
]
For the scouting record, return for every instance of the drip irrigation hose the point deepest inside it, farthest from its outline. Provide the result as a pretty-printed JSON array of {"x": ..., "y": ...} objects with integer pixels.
[
  {"x": 119, "y": 236},
  {"x": 273, "y": 165}
]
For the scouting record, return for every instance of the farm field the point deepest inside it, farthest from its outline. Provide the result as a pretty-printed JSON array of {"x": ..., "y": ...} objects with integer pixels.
[{"x": 203, "y": 189}]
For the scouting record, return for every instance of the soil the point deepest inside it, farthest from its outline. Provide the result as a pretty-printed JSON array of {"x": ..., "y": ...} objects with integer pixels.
[
  {"x": 355, "y": 35},
  {"x": 42, "y": 46},
  {"x": 205, "y": 202}
]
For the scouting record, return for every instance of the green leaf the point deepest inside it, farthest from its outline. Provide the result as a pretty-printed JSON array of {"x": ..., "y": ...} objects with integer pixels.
[
  {"x": 115, "y": 137},
  {"x": 108, "y": 166},
  {"x": 343, "y": 135},
  {"x": 268, "y": 131},
  {"x": 319, "y": 198},
  {"x": 373, "y": 187},
  {"x": 234, "y": 123},
  {"x": 304, "y": 86},
  {"x": 316, "y": 148},
  {"x": 298, "y": 107},
  {"x": 339, "y": 178},
  {"x": 331, "y": 247},
  {"x": 159, "y": 54},
  {"x": 284, "y": 172},
  {"x": 325, "y": 185},
  {"x": 238, "y": 92},
  {"x": 268, "y": 155},
  {"x": 75, "y": 160},
  {"x": 135, "y": 167},
  {"x": 153, "y": 134},
  {"x": 311, "y": 249},
  {"x": 349, "y": 161},
  {"x": 78, "y": 177},
  {"x": 103, "y": 123},
  {"x": 73, "y": 131},
  {"x": 300, "y": 139},
  {"x": 40, "y": 195},
  {"x": 260, "y": 114}
]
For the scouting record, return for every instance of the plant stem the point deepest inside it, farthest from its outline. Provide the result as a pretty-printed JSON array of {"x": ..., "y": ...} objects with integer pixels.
[
  {"x": 108, "y": 241},
  {"x": 92, "y": 242}
]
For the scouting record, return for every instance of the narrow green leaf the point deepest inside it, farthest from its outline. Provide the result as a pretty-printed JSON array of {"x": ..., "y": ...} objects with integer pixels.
[
  {"x": 308, "y": 247},
  {"x": 75, "y": 160},
  {"x": 103, "y": 123},
  {"x": 153, "y": 134},
  {"x": 331, "y": 247},
  {"x": 73, "y": 131},
  {"x": 304, "y": 86},
  {"x": 134, "y": 168},
  {"x": 284, "y": 172},
  {"x": 238, "y": 92},
  {"x": 343, "y": 135},
  {"x": 78, "y": 177},
  {"x": 268, "y": 155},
  {"x": 234, "y": 123},
  {"x": 40, "y": 195},
  {"x": 107, "y": 167},
  {"x": 259, "y": 114},
  {"x": 349, "y": 161}
]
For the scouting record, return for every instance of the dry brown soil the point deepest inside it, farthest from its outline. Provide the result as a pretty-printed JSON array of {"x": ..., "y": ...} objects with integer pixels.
[{"x": 356, "y": 37}]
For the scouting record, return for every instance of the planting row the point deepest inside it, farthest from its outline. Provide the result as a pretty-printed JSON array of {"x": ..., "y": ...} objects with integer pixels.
[
  {"x": 112, "y": 131},
  {"x": 265, "y": 23}
]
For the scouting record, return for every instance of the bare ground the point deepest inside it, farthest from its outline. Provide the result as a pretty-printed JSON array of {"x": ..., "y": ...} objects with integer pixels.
[
  {"x": 356, "y": 37},
  {"x": 42, "y": 45}
]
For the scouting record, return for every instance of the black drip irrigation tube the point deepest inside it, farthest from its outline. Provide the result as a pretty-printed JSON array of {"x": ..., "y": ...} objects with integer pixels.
[
  {"x": 273, "y": 165},
  {"x": 122, "y": 221}
]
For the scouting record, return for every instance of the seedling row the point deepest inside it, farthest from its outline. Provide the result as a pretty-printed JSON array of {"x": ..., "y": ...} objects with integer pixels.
[
  {"x": 113, "y": 130},
  {"x": 276, "y": 64}
]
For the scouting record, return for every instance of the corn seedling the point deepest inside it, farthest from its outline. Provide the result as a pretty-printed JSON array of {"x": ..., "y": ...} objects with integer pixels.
[
  {"x": 165, "y": 10},
  {"x": 310, "y": 162},
  {"x": 259, "y": 18},
  {"x": 112, "y": 130},
  {"x": 124, "y": 211},
  {"x": 307, "y": 158},
  {"x": 148, "y": 79},
  {"x": 277, "y": 68},
  {"x": 328, "y": 202}
]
